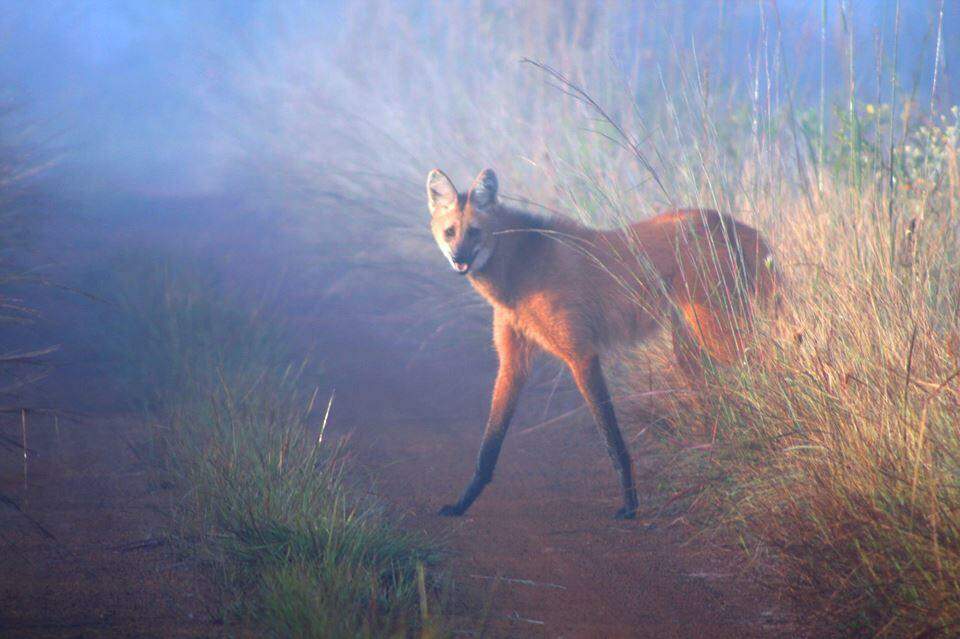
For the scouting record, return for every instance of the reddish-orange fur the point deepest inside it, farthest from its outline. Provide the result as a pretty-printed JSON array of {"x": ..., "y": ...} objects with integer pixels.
[{"x": 574, "y": 291}]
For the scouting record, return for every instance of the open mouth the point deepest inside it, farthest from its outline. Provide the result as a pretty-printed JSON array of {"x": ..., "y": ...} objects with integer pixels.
[{"x": 462, "y": 266}]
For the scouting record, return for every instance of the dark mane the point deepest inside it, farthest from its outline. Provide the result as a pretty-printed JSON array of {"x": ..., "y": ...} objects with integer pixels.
[
  {"x": 533, "y": 220},
  {"x": 537, "y": 222}
]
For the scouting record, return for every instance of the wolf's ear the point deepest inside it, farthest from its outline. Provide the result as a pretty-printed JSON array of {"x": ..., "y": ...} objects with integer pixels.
[
  {"x": 483, "y": 193},
  {"x": 441, "y": 193}
]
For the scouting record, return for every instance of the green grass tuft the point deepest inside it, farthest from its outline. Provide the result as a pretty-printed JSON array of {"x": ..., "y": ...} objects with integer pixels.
[{"x": 298, "y": 548}]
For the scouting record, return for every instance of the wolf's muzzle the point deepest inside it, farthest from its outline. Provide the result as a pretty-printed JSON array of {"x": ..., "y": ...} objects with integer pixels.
[{"x": 461, "y": 261}]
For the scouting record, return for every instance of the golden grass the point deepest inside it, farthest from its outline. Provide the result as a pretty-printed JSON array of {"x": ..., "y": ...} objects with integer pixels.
[{"x": 836, "y": 449}]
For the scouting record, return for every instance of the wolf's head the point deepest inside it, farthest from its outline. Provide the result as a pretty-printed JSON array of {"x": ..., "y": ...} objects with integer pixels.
[{"x": 463, "y": 224}]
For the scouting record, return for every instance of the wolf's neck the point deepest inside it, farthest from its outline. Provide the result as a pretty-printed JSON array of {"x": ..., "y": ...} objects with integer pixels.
[{"x": 520, "y": 238}]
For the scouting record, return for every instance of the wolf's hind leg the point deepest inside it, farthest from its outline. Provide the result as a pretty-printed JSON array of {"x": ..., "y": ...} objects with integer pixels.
[
  {"x": 588, "y": 375},
  {"x": 704, "y": 334},
  {"x": 513, "y": 353}
]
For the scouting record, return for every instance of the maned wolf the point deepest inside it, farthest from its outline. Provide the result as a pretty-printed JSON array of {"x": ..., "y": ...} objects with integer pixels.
[{"x": 573, "y": 291}]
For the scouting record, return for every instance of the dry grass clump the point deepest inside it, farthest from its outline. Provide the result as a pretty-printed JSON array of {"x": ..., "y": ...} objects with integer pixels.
[{"x": 837, "y": 448}]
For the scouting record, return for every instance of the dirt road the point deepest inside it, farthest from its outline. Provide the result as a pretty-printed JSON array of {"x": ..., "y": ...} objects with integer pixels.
[
  {"x": 83, "y": 554},
  {"x": 540, "y": 549},
  {"x": 539, "y": 555}
]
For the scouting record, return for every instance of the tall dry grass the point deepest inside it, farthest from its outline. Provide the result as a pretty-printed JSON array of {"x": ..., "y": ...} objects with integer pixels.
[
  {"x": 22, "y": 158},
  {"x": 835, "y": 451}
]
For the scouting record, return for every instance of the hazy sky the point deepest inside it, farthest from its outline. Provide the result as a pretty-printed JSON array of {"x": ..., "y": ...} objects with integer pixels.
[{"x": 117, "y": 84}]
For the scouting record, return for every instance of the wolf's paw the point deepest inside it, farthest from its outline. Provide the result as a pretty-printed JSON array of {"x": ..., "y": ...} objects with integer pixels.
[
  {"x": 451, "y": 510},
  {"x": 626, "y": 512}
]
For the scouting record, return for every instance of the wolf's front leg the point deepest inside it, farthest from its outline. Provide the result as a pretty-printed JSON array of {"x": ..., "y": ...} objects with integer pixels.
[{"x": 513, "y": 355}]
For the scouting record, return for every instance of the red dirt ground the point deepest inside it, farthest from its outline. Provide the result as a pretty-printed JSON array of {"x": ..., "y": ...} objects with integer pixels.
[
  {"x": 540, "y": 549},
  {"x": 538, "y": 555},
  {"x": 103, "y": 570}
]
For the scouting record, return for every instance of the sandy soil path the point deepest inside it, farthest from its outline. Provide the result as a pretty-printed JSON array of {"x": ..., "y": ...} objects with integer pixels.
[
  {"x": 539, "y": 553},
  {"x": 83, "y": 554},
  {"x": 539, "y": 549}
]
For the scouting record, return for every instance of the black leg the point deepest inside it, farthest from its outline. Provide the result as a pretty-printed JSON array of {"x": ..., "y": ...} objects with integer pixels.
[
  {"x": 589, "y": 377},
  {"x": 513, "y": 356}
]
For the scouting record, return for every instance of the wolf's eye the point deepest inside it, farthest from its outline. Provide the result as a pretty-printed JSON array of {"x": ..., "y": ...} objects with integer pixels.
[
  {"x": 473, "y": 232},
  {"x": 450, "y": 232}
]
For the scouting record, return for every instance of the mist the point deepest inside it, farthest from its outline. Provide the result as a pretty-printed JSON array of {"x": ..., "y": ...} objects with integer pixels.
[
  {"x": 211, "y": 201},
  {"x": 124, "y": 93},
  {"x": 318, "y": 121}
]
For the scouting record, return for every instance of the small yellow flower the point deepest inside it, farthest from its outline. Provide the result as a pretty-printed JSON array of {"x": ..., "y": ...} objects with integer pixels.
[{"x": 870, "y": 109}]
